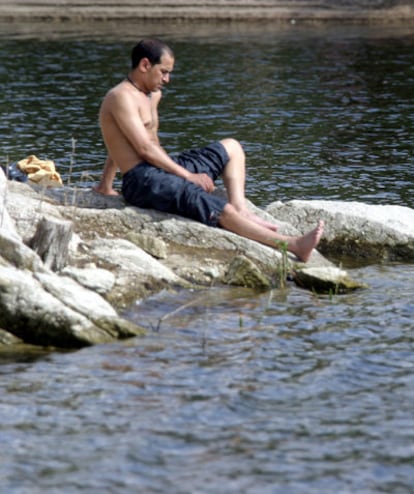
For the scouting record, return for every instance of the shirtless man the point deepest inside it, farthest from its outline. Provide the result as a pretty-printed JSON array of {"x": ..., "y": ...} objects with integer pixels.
[{"x": 181, "y": 185}]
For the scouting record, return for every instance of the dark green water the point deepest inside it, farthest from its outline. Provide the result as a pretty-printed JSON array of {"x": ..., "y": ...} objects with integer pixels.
[
  {"x": 320, "y": 116},
  {"x": 283, "y": 392}
]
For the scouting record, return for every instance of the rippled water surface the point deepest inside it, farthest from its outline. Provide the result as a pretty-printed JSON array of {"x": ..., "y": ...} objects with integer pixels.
[{"x": 230, "y": 391}]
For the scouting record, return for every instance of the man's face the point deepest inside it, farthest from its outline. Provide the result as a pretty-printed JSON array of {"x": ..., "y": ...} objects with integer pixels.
[{"x": 160, "y": 72}]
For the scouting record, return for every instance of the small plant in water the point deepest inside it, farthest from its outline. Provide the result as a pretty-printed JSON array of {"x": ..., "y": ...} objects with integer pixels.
[
  {"x": 283, "y": 265},
  {"x": 72, "y": 159},
  {"x": 3, "y": 208}
]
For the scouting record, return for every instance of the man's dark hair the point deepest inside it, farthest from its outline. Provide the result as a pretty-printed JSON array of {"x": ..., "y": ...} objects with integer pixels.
[{"x": 150, "y": 48}]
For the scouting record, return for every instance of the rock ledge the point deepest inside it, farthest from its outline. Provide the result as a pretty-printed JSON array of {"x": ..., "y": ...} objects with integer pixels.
[{"x": 118, "y": 254}]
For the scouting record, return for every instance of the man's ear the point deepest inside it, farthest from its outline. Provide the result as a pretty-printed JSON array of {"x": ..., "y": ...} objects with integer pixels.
[{"x": 145, "y": 64}]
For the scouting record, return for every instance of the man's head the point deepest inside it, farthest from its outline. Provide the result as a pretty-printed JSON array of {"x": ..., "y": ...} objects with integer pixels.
[
  {"x": 152, "y": 64},
  {"x": 150, "y": 48}
]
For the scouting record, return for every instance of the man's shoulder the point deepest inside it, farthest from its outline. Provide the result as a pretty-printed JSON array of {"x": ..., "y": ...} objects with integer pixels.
[
  {"x": 119, "y": 88},
  {"x": 119, "y": 93}
]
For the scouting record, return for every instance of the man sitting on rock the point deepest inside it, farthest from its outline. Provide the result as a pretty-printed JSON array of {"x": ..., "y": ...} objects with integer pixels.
[{"x": 183, "y": 185}]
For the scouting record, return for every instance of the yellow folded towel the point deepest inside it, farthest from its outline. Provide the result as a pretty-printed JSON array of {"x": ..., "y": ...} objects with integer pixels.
[{"x": 42, "y": 172}]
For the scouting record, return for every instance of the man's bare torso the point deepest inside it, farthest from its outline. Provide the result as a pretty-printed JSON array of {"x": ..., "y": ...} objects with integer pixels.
[{"x": 128, "y": 119}]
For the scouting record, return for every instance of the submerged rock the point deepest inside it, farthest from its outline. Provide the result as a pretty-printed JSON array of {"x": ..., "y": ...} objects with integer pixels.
[
  {"x": 330, "y": 279},
  {"x": 244, "y": 272}
]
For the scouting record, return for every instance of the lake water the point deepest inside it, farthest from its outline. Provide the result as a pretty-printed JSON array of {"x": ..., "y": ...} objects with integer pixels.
[{"x": 230, "y": 391}]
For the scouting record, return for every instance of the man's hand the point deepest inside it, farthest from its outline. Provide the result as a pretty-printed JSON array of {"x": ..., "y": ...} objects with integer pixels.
[{"x": 203, "y": 180}]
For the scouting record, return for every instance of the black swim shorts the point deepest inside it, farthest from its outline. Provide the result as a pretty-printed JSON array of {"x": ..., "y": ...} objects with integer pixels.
[{"x": 147, "y": 186}]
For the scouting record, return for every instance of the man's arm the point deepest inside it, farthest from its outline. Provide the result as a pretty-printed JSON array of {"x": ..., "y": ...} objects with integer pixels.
[
  {"x": 107, "y": 179},
  {"x": 132, "y": 125}
]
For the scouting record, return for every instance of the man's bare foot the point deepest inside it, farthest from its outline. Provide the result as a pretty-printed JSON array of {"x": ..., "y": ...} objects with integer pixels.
[
  {"x": 260, "y": 221},
  {"x": 105, "y": 191},
  {"x": 303, "y": 246}
]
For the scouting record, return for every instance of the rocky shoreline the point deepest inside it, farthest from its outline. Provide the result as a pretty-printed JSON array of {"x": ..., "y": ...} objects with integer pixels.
[
  {"x": 118, "y": 254},
  {"x": 307, "y": 11}
]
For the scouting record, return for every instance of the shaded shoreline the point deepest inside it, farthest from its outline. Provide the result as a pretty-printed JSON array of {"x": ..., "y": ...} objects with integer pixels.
[
  {"x": 209, "y": 12},
  {"x": 129, "y": 19},
  {"x": 125, "y": 30}
]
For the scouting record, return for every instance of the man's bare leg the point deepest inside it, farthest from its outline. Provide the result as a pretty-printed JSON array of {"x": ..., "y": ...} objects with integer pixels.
[
  {"x": 301, "y": 246},
  {"x": 107, "y": 179},
  {"x": 234, "y": 178}
]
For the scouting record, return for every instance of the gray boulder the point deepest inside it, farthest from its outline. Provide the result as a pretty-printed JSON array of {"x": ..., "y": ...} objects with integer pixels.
[
  {"x": 37, "y": 305},
  {"x": 376, "y": 232},
  {"x": 50, "y": 310}
]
